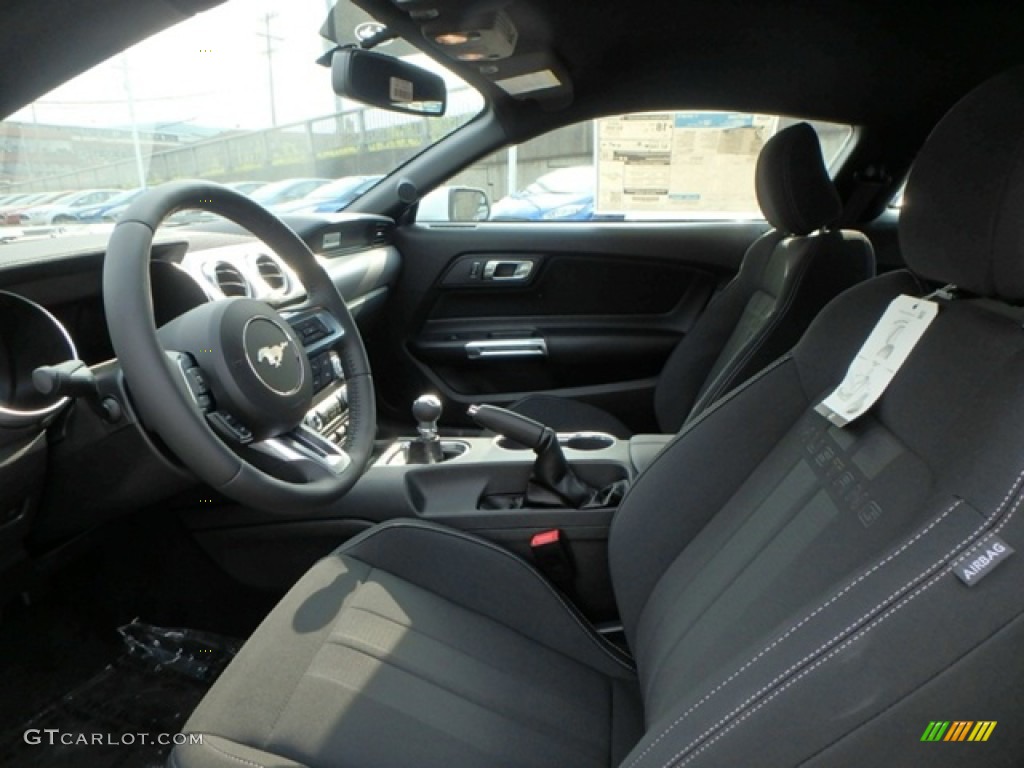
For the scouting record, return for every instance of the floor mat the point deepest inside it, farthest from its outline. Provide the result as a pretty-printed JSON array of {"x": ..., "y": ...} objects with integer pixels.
[{"x": 128, "y": 714}]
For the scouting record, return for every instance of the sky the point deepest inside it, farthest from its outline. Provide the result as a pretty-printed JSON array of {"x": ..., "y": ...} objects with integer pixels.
[{"x": 210, "y": 71}]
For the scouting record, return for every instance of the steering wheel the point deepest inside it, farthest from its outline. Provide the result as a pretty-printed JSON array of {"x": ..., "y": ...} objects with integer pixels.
[{"x": 227, "y": 384}]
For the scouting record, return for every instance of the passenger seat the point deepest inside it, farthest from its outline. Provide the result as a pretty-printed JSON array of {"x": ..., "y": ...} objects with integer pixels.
[{"x": 784, "y": 280}]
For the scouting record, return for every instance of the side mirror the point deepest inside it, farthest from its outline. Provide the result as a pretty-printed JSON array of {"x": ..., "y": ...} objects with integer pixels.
[
  {"x": 458, "y": 204},
  {"x": 386, "y": 82},
  {"x": 468, "y": 204}
]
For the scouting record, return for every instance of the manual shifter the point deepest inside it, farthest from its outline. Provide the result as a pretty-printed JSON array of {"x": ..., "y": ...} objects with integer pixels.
[
  {"x": 553, "y": 482},
  {"x": 426, "y": 447}
]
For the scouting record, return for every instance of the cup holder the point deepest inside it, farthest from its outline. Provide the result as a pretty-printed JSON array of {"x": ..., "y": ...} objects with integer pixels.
[
  {"x": 588, "y": 441},
  {"x": 509, "y": 445}
]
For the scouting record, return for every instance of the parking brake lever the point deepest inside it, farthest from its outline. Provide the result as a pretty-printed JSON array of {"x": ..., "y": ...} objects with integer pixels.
[{"x": 553, "y": 482}]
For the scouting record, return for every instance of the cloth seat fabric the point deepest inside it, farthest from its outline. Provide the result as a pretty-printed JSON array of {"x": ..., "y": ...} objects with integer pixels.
[{"x": 396, "y": 627}]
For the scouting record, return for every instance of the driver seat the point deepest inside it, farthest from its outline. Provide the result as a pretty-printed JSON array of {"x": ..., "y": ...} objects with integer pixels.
[{"x": 793, "y": 593}]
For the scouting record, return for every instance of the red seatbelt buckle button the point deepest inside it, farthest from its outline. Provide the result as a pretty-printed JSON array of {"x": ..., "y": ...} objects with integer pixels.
[
  {"x": 552, "y": 557},
  {"x": 546, "y": 538}
]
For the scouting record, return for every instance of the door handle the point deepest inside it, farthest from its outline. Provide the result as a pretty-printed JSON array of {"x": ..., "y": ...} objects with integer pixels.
[
  {"x": 476, "y": 350},
  {"x": 507, "y": 269}
]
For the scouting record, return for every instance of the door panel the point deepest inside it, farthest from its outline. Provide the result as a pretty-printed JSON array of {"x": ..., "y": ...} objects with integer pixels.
[
  {"x": 564, "y": 284},
  {"x": 491, "y": 312}
]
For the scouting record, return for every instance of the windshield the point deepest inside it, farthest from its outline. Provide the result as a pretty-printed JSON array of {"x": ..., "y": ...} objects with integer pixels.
[
  {"x": 232, "y": 95},
  {"x": 341, "y": 187},
  {"x": 122, "y": 197},
  {"x": 289, "y": 189},
  {"x": 44, "y": 199}
]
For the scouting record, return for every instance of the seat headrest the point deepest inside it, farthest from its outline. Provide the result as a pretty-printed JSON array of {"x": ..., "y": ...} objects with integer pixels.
[
  {"x": 794, "y": 190},
  {"x": 962, "y": 220}
]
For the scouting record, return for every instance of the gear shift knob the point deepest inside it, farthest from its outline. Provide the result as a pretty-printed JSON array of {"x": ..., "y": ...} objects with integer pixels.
[{"x": 426, "y": 409}]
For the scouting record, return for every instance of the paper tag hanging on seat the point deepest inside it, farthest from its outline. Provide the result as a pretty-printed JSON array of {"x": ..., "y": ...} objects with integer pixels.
[{"x": 879, "y": 359}]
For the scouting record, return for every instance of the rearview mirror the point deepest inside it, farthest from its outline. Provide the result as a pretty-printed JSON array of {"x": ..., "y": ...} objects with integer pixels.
[{"x": 386, "y": 82}]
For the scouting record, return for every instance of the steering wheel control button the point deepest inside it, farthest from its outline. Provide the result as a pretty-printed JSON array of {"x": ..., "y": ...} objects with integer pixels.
[
  {"x": 253, "y": 365},
  {"x": 311, "y": 330},
  {"x": 324, "y": 370},
  {"x": 272, "y": 355},
  {"x": 229, "y": 427},
  {"x": 197, "y": 382},
  {"x": 335, "y": 358}
]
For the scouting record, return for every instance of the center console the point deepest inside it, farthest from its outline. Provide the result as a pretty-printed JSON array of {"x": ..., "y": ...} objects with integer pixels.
[{"x": 485, "y": 485}]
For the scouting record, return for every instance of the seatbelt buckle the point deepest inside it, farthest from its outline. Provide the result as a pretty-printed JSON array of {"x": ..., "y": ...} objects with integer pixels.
[{"x": 552, "y": 556}]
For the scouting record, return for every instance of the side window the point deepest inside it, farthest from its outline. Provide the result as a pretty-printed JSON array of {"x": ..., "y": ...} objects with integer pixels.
[{"x": 641, "y": 166}]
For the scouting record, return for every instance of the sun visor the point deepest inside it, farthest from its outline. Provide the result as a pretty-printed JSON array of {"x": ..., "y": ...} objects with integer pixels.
[{"x": 496, "y": 42}]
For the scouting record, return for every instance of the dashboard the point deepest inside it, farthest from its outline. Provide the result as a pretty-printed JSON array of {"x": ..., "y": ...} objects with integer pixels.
[{"x": 51, "y": 310}]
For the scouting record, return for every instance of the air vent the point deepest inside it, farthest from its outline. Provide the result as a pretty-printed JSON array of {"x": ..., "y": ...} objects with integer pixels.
[
  {"x": 272, "y": 273},
  {"x": 230, "y": 280}
]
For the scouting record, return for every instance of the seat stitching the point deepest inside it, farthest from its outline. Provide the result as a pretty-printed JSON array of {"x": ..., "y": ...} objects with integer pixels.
[
  {"x": 785, "y": 528},
  {"x": 777, "y": 641},
  {"x": 924, "y": 574},
  {"x": 532, "y": 725},
  {"x": 597, "y": 641},
  {"x": 820, "y": 662},
  {"x": 727, "y": 541}
]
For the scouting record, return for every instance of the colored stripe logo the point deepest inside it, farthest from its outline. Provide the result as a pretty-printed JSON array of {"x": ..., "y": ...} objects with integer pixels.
[{"x": 958, "y": 730}]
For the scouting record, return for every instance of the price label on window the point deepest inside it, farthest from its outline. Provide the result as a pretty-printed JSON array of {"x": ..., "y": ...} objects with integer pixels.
[{"x": 679, "y": 162}]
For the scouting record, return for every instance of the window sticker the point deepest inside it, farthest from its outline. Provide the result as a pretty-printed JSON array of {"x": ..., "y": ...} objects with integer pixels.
[{"x": 679, "y": 162}]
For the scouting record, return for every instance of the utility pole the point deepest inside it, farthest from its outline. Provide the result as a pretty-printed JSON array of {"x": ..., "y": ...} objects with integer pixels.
[
  {"x": 140, "y": 166},
  {"x": 31, "y": 146},
  {"x": 270, "y": 39}
]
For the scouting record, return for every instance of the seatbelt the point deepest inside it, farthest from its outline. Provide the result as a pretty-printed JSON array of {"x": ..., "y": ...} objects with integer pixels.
[
  {"x": 551, "y": 556},
  {"x": 868, "y": 184}
]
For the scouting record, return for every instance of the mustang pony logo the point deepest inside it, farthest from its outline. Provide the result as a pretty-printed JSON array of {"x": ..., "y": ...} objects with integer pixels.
[{"x": 272, "y": 354}]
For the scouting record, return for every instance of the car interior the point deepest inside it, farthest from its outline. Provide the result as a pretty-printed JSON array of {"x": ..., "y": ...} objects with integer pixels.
[
  {"x": 716, "y": 462},
  {"x": 785, "y": 278}
]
